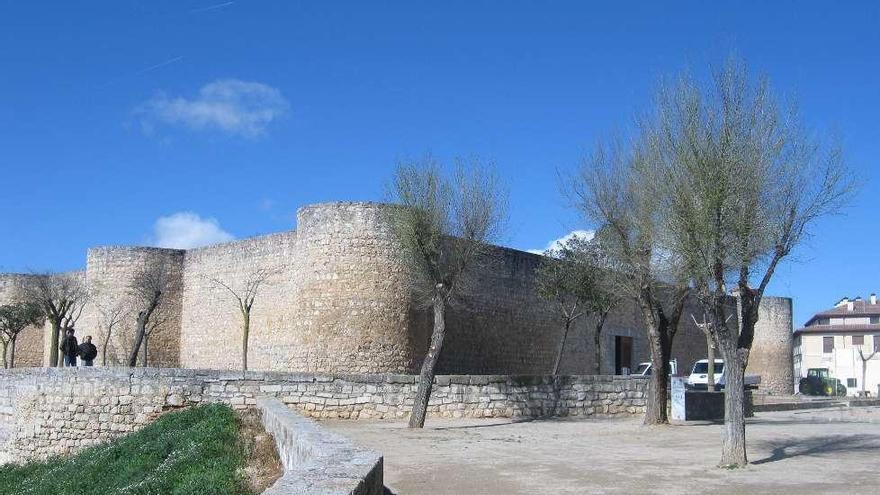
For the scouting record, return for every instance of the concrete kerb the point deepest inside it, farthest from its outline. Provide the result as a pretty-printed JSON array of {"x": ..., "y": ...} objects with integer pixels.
[
  {"x": 315, "y": 460},
  {"x": 819, "y": 404}
]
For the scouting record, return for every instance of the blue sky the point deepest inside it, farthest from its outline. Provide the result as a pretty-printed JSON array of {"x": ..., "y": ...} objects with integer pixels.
[{"x": 162, "y": 122}]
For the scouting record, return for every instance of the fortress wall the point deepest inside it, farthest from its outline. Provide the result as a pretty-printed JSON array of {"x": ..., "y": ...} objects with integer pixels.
[
  {"x": 339, "y": 301},
  {"x": 501, "y": 323},
  {"x": 211, "y": 331},
  {"x": 503, "y": 326},
  {"x": 29, "y": 346},
  {"x": 771, "y": 355},
  {"x": 353, "y": 312},
  {"x": 109, "y": 274}
]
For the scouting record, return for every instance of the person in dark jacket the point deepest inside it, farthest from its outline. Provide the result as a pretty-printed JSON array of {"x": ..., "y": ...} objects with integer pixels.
[
  {"x": 87, "y": 351},
  {"x": 70, "y": 348}
]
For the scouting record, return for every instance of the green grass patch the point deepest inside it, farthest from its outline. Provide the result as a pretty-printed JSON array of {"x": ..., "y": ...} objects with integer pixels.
[{"x": 193, "y": 451}]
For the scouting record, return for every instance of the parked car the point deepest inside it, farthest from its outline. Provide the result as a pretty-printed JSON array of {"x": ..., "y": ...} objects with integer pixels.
[
  {"x": 699, "y": 376},
  {"x": 644, "y": 369}
]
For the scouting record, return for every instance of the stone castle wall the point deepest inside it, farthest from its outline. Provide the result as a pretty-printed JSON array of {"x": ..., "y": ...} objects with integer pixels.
[
  {"x": 502, "y": 324},
  {"x": 211, "y": 314},
  {"x": 338, "y": 301},
  {"x": 45, "y": 412}
]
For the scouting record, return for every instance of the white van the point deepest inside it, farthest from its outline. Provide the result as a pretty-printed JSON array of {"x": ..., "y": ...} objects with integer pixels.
[
  {"x": 644, "y": 369},
  {"x": 700, "y": 376}
]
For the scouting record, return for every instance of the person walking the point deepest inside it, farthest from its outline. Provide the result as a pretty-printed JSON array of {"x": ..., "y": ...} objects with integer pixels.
[
  {"x": 70, "y": 348},
  {"x": 87, "y": 351}
]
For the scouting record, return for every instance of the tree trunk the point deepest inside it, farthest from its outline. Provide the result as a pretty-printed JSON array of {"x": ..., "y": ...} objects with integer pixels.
[
  {"x": 864, "y": 369},
  {"x": 426, "y": 377},
  {"x": 146, "y": 344},
  {"x": 60, "y": 362},
  {"x": 656, "y": 413},
  {"x": 4, "y": 347},
  {"x": 245, "y": 333},
  {"x": 138, "y": 340},
  {"x": 53, "y": 348},
  {"x": 733, "y": 441},
  {"x": 106, "y": 343},
  {"x": 710, "y": 371},
  {"x": 141, "y": 330},
  {"x": 12, "y": 351},
  {"x": 597, "y": 342},
  {"x": 561, "y": 350}
]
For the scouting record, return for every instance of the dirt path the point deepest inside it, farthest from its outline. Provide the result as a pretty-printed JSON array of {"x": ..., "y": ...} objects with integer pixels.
[{"x": 800, "y": 452}]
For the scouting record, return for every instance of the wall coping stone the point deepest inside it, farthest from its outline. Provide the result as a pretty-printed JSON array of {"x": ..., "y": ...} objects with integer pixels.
[
  {"x": 317, "y": 461},
  {"x": 304, "y": 377}
]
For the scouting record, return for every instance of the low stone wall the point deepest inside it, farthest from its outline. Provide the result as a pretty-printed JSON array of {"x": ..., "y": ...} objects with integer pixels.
[
  {"x": 317, "y": 461},
  {"x": 49, "y": 411}
]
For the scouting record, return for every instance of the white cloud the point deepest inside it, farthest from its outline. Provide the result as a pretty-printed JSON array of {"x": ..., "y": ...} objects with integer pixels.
[
  {"x": 267, "y": 204},
  {"x": 185, "y": 230},
  {"x": 558, "y": 243},
  {"x": 227, "y": 105}
]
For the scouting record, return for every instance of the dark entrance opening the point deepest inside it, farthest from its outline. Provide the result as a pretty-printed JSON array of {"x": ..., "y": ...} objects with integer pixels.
[{"x": 622, "y": 354}]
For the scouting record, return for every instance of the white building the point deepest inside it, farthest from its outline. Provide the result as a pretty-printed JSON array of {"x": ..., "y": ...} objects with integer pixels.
[{"x": 833, "y": 338}]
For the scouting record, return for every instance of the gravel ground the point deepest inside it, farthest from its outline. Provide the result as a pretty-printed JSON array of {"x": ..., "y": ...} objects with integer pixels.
[{"x": 804, "y": 452}]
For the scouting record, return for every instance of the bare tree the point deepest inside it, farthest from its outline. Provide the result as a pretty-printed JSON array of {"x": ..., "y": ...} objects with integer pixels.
[
  {"x": 865, "y": 360},
  {"x": 244, "y": 296},
  {"x": 149, "y": 288},
  {"x": 156, "y": 324},
  {"x": 613, "y": 190},
  {"x": 742, "y": 183},
  {"x": 4, "y": 346},
  {"x": 112, "y": 311},
  {"x": 443, "y": 226},
  {"x": 14, "y": 318},
  {"x": 575, "y": 278},
  {"x": 61, "y": 297}
]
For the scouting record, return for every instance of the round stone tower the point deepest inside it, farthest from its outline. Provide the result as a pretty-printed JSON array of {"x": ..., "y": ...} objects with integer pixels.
[
  {"x": 352, "y": 306},
  {"x": 771, "y": 355},
  {"x": 109, "y": 275}
]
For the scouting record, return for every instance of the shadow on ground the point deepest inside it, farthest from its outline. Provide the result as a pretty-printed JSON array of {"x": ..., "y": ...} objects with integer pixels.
[
  {"x": 818, "y": 446},
  {"x": 506, "y": 422}
]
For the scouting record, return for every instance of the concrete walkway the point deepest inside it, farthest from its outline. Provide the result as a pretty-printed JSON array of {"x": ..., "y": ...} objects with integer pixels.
[{"x": 804, "y": 452}]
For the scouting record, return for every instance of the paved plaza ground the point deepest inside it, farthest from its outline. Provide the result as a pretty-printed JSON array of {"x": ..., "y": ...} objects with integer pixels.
[{"x": 804, "y": 452}]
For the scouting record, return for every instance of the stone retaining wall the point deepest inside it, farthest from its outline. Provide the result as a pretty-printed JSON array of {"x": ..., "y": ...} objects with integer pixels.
[
  {"x": 45, "y": 411},
  {"x": 315, "y": 460}
]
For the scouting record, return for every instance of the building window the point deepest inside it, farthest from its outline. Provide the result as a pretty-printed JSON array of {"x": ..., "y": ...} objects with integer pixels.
[
  {"x": 875, "y": 320},
  {"x": 858, "y": 340},
  {"x": 827, "y": 345},
  {"x": 822, "y": 321},
  {"x": 851, "y": 383},
  {"x": 877, "y": 343}
]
